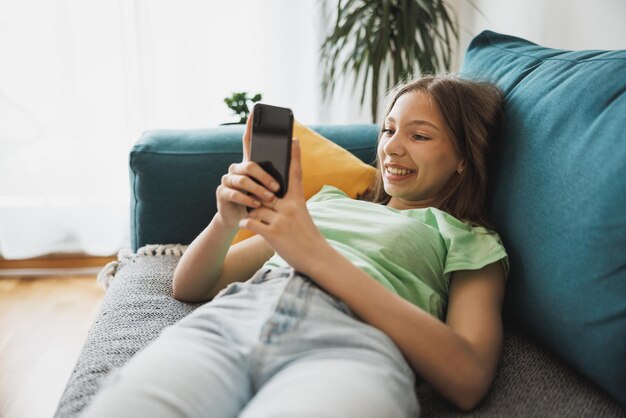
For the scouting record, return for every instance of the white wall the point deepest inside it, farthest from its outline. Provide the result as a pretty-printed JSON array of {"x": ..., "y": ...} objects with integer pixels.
[{"x": 563, "y": 24}]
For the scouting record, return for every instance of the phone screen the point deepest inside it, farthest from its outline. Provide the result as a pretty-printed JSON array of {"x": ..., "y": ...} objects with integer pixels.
[{"x": 270, "y": 146}]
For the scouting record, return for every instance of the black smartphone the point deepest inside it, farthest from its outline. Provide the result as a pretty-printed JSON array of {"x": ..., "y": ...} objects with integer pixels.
[{"x": 270, "y": 147}]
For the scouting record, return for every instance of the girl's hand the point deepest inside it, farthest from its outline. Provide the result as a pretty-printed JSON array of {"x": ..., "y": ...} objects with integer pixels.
[
  {"x": 247, "y": 137},
  {"x": 231, "y": 194},
  {"x": 286, "y": 223}
]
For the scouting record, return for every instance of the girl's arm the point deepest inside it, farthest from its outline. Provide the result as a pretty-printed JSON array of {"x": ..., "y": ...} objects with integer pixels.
[
  {"x": 458, "y": 358},
  {"x": 210, "y": 262}
]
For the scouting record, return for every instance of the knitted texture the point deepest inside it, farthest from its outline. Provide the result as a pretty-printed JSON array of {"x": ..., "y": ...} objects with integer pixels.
[
  {"x": 138, "y": 305},
  {"x": 529, "y": 382}
]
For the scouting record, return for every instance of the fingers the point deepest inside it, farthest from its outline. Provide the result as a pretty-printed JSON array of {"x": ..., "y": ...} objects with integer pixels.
[
  {"x": 253, "y": 225},
  {"x": 253, "y": 170},
  {"x": 236, "y": 196},
  {"x": 246, "y": 185},
  {"x": 240, "y": 186},
  {"x": 259, "y": 219}
]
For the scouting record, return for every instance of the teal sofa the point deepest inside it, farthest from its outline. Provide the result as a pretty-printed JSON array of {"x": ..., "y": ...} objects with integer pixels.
[{"x": 557, "y": 195}]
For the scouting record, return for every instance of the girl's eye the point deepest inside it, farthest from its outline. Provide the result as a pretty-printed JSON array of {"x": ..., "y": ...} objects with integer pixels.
[
  {"x": 419, "y": 137},
  {"x": 387, "y": 131}
]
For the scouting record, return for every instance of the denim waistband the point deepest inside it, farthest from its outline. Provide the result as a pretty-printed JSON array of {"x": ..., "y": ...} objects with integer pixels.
[{"x": 298, "y": 283}]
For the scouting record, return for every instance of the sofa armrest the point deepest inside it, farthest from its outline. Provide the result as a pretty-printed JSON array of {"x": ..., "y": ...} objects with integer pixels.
[{"x": 174, "y": 174}]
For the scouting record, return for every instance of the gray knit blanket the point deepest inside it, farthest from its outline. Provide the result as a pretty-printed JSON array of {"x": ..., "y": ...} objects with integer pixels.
[{"x": 138, "y": 305}]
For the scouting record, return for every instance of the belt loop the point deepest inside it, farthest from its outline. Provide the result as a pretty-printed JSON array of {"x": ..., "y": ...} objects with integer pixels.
[{"x": 292, "y": 273}]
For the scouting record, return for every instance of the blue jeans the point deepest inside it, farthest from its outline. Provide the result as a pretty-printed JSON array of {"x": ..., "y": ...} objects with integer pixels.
[{"x": 274, "y": 346}]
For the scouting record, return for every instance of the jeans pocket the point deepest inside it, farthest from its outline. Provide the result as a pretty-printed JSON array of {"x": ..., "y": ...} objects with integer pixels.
[
  {"x": 260, "y": 276},
  {"x": 336, "y": 303},
  {"x": 266, "y": 274},
  {"x": 231, "y": 289},
  {"x": 341, "y": 305}
]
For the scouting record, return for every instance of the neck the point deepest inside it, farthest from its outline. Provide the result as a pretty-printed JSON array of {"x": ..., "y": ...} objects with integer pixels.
[{"x": 401, "y": 204}]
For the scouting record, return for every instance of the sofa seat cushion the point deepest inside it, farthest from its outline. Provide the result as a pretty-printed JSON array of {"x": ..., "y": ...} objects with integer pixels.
[
  {"x": 559, "y": 197},
  {"x": 138, "y": 305}
]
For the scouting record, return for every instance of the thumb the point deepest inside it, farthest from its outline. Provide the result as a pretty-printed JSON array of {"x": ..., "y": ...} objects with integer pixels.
[
  {"x": 295, "y": 168},
  {"x": 247, "y": 137}
]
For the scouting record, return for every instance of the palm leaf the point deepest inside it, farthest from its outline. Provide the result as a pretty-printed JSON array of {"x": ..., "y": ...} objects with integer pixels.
[{"x": 382, "y": 42}]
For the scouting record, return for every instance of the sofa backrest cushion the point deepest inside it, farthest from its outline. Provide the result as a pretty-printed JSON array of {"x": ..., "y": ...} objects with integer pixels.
[{"x": 559, "y": 197}]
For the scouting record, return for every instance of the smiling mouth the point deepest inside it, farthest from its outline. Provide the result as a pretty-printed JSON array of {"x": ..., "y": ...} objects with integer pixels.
[{"x": 393, "y": 173}]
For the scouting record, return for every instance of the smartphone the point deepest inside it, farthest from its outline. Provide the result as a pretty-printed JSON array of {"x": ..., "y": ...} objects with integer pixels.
[{"x": 270, "y": 147}]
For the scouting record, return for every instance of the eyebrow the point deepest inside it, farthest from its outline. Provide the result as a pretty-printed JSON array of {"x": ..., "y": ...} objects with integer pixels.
[{"x": 416, "y": 122}]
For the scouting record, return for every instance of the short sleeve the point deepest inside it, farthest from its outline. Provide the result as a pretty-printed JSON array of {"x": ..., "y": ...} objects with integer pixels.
[
  {"x": 470, "y": 248},
  {"x": 474, "y": 250}
]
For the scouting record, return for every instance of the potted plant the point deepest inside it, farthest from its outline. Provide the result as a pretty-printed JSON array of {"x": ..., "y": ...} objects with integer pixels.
[
  {"x": 383, "y": 42},
  {"x": 238, "y": 102}
]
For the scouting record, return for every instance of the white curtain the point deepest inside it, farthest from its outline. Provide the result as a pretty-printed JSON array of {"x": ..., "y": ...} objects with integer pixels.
[{"x": 80, "y": 80}]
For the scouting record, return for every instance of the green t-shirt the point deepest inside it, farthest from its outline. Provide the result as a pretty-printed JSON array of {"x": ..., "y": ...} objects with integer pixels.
[{"x": 411, "y": 252}]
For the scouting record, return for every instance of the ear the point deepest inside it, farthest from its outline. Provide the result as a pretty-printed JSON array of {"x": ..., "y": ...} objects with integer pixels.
[{"x": 460, "y": 167}]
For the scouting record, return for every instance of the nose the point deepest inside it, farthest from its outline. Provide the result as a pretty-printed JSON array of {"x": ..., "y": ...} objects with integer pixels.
[{"x": 393, "y": 145}]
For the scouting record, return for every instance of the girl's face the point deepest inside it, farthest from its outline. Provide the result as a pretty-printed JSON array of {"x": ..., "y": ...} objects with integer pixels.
[{"x": 416, "y": 153}]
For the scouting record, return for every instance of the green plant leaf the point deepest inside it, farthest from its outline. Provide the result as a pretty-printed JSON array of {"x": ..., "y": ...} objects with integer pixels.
[
  {"x": 238, "y": 102},
  {"x": 382, "y": 42}
]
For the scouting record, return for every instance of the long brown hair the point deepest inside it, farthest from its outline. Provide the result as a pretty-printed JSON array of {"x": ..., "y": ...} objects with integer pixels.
[{"x": 472, "y": 112}]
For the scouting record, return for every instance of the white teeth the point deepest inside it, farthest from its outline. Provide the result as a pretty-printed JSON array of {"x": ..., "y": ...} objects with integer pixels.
[{"x": 398, "y": 171}]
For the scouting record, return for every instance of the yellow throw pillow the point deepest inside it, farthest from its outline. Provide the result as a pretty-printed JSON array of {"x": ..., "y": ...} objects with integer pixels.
[{"x": 324, "y": 162}]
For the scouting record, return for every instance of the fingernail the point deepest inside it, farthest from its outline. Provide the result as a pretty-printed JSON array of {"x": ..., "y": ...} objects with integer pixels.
[
  {"x": 275, "y": 186},
  {"x": 268, "y": 194}
]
